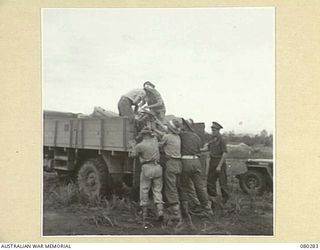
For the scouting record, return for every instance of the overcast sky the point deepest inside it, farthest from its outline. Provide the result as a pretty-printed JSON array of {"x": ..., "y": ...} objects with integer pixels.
[{"x": 213, "y": 64}]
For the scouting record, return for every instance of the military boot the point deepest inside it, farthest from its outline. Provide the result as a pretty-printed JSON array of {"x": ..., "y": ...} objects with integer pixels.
[
  {"x": 208, "y": 209},
  {"x": 144, "y": 215},
  {"x": 175, "y": 212},
  {"x": 186, "y": 214},
  {"x": 185, "y": 209},
  {"x": 225, "y": 196},
  {"x": 160, "y": 211}
]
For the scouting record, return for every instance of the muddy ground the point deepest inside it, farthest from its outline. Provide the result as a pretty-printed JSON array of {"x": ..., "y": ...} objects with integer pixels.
[{"x": 65, "y": 214}]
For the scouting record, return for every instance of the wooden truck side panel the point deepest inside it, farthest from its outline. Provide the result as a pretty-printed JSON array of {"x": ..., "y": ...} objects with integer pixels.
[
  {"x": 49, "y": 129},
  {"x": 111, "y": 134}
]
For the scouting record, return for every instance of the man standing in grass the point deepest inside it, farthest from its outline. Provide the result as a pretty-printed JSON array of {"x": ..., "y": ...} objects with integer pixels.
[
  {"x": 171, "y": 146},
  {"x": 151, "y": 172},
  {"x": 217, "y": 167},
  {"x": 191, "y": 178}
]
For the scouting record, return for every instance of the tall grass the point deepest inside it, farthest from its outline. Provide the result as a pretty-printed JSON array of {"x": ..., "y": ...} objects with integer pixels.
[{"x": 62, "y": 196}]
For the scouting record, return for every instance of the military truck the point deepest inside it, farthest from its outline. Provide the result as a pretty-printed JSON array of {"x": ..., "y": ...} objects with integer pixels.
[
  {"x": 93, "y": 150},
  {"x": 259, "y": 176}
]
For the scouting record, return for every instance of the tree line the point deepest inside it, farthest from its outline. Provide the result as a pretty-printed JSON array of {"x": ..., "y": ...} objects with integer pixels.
[{"x": 263, "y": 138}]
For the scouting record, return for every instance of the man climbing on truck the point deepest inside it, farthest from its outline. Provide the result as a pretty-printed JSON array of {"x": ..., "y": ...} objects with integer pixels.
[
  {"x": 154, "y": 101},
  {"x": 136, "y": 98}
]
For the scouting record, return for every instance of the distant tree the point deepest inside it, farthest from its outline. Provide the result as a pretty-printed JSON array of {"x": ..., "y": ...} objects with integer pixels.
[
  {"x": 231, "y": 133},
  {"x": 248, "y": 140},
  {"x": 262, "y": 138},
  {"x": 269, "y": 141},
  {"x": 264, "y": 133}
]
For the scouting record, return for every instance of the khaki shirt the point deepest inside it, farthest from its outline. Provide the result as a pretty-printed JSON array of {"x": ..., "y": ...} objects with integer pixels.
[
  {"x": 147, "y": 150},
  {"x": 190, "y": 143},
  {"x": 171, "y": 145},
  {"x": 217, "y": 147},
  {"x": 135, "y": 95},
  {"x": 155, "y": 97}
]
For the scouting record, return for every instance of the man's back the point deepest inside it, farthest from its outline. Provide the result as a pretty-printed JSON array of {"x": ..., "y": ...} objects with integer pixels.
[
  {"x": 171, "y": 144},
  {"x": 135, "y": 94},
  {"x": 148, "y": 150},
  {"x": 190, "y": 143}
]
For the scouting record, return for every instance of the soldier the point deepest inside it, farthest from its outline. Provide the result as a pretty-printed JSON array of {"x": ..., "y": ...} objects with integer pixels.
[
  {"x": 217, "y": 167},
  {"x": 191, "y": 172},
  {"x": 154, "y": 101},
  {"x": 151, "y": 172},
  {"x": 171, "y": 145},
  {"x": 135, "y": 97}
]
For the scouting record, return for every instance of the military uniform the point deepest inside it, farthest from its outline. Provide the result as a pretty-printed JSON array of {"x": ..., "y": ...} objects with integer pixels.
[
  {"x": 154, "y": 97},
  {"x": 151, "y": 172},
  {"x": 173, "y": 167},
  {"x": 216, "y": 148},
  {"x": 171, "y": 145},
  {"x": 191, "y": 178},
  {"x": 133, "y": 97}
]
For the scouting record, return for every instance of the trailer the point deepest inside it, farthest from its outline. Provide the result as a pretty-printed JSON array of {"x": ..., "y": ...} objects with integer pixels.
[{"x": 92, "y": 150}]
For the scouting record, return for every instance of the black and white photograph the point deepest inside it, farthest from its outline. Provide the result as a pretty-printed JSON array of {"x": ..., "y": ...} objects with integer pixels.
[{"x": 158, "y": 121}]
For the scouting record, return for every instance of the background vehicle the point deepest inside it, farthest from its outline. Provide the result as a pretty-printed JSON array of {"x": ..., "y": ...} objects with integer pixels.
[{"x": 259, "y": 176}]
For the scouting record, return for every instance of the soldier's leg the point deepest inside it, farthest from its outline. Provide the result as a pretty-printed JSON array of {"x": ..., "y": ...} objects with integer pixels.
[
  {"x": 223, "y": 181},
  {"x": 163, "y": 162},
  {"x": 184, "y": 197},
  {"x": 171, "y": 178},
  {"x": 124, "y": 107},
  {"x": 159, "y": 121},
  {"x": 157, "y": 196},
  {"x": 192, "y": 194},
  {"x": 200, "y": 186},
  {"x": 212, "y": 177},
  {"x": 145, "y": 184},
  {"x": 184, "y": 182},
  {"x": 170, "y": 184},
  {"x": 187, "y": 184}
]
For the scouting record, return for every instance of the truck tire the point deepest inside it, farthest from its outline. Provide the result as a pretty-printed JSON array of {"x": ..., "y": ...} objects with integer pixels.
[
  {"x": 93, "y": 179},
  {"x": 253, "y": 181}
]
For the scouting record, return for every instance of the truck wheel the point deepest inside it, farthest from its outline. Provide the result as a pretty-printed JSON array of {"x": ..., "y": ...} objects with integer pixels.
[
  {"x": 252, "y": 181},
  {"x": 93, "y": 179}
]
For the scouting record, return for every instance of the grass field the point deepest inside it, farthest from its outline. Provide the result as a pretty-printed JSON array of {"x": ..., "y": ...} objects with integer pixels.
[
  {"x": 64, "y": 213},
  {"x": 254, "y": 152}
]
